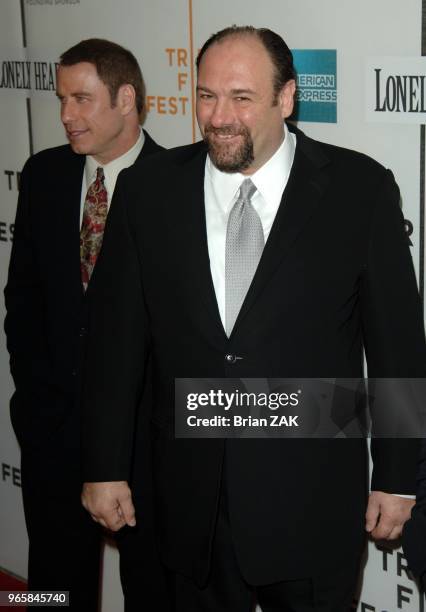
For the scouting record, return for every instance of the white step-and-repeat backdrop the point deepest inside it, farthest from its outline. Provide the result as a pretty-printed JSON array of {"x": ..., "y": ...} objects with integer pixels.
[{"x": 361, "y": 85}]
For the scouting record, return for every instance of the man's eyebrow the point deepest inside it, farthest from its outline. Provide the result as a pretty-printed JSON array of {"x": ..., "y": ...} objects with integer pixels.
[
  {"x": 74, "y": 94},
  {"x": 202, "y": 88},
  {"x": 238, "y": 92},
  {"x": 235, "y": 92}
]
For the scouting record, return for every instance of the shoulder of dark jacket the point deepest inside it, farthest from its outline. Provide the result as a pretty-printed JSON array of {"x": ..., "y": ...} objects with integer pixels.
[
  {"x": 55, "y": 156},
  {"x": 164, "y": 159},
  {"x": 322, "y": 153}
]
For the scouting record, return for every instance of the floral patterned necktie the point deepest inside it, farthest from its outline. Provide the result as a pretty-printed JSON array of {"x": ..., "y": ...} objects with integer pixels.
[{"x": 92, "y": 228}]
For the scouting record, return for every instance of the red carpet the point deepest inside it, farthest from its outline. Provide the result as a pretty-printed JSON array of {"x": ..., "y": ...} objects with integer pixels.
[{"x": 10, "y": 583}]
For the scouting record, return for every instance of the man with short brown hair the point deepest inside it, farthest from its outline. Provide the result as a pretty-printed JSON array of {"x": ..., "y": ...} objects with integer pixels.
[{"x": 64, "y": 198}]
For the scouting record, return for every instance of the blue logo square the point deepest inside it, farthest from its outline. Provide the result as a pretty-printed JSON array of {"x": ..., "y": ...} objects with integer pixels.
[{"x": 316, "y": 98}]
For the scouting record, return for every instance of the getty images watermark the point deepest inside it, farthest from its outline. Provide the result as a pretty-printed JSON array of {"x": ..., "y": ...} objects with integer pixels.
[
  {"x": 300, "y": 408},
  {"x": 239, "y": 399}
]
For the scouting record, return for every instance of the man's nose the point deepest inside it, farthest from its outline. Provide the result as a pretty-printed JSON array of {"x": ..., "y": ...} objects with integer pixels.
[
  {"x": 67, "y": 111},
  {"x": 222, "y": 114}
]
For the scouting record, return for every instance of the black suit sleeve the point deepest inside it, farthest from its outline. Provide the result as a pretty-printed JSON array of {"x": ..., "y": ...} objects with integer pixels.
[
  {"x": 117, "y": 350},
  {"x": 414, "y": 534},
  {"x": 37, "y": 406},
  {"x": 393, "y": 330},
  {"x": 24, "y": 323},
  {"x": 421, "y": 479}
]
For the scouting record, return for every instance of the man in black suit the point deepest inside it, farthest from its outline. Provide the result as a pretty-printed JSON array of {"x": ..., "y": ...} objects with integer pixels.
[
  {"x": 325, "y": 272},
  {"x": 64, "y": 197}
]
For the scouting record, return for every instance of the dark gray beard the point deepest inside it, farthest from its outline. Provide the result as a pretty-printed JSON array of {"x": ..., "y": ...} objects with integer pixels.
[{"x": 237, "y": 161}]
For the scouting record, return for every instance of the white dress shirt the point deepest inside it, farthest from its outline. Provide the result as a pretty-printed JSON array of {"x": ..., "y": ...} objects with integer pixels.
[
  {"x": 220, "y": 194},
  {"x": 111, "y": 170}
]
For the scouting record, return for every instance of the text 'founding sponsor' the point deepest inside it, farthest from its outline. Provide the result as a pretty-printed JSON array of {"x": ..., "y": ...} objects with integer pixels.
[
  {"x": 51, "y": 2},
  {"x": 395, "y": 90}
]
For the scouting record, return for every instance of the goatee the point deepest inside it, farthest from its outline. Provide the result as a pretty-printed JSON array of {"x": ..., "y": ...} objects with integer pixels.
[{"x": 227, "y": 156}]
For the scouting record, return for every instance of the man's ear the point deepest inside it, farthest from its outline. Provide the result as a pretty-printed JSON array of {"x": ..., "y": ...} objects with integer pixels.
[
  {"x": 126, "y": 98},
  {"x": 286, "y": 98}
]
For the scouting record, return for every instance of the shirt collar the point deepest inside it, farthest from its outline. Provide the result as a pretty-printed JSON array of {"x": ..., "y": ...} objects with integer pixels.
[
  {"x": 113, "y": 168},
  {"x": 270, "y": 179}
]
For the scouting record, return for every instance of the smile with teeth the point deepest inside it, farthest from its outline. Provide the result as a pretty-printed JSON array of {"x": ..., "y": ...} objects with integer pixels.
[
  {"x": 76, "y": 133},
  {"x": 224, "y": 137}
]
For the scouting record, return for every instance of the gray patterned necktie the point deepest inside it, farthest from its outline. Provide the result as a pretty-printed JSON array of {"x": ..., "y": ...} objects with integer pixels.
[{"x": 244, "y": 246}]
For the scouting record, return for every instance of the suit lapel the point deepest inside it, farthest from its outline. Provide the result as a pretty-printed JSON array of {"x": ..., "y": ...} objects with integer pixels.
[
  {"x": 301, "y": 196},
  {"x": 149, "y": 146},
  {"x": 190, "y": 224},
  {"x": 70, "y": 188}
]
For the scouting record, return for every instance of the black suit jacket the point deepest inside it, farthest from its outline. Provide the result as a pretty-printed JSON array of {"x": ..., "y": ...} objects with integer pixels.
[
  {"x": 335, "y": 275},
  {"x": 46, "y": 318},
  {"x": 414, "y": 533}
]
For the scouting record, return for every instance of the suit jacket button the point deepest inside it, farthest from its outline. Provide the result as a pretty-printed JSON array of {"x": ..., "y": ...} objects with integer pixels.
[{"x": 230, "y": 358}]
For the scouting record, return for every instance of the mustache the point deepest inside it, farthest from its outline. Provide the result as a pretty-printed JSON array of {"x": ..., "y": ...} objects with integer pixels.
[{"x": 226, "y": 130}]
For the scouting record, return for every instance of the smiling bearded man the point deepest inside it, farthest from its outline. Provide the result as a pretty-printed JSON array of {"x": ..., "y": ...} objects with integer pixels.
[{"x": 264, "y": 254}]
